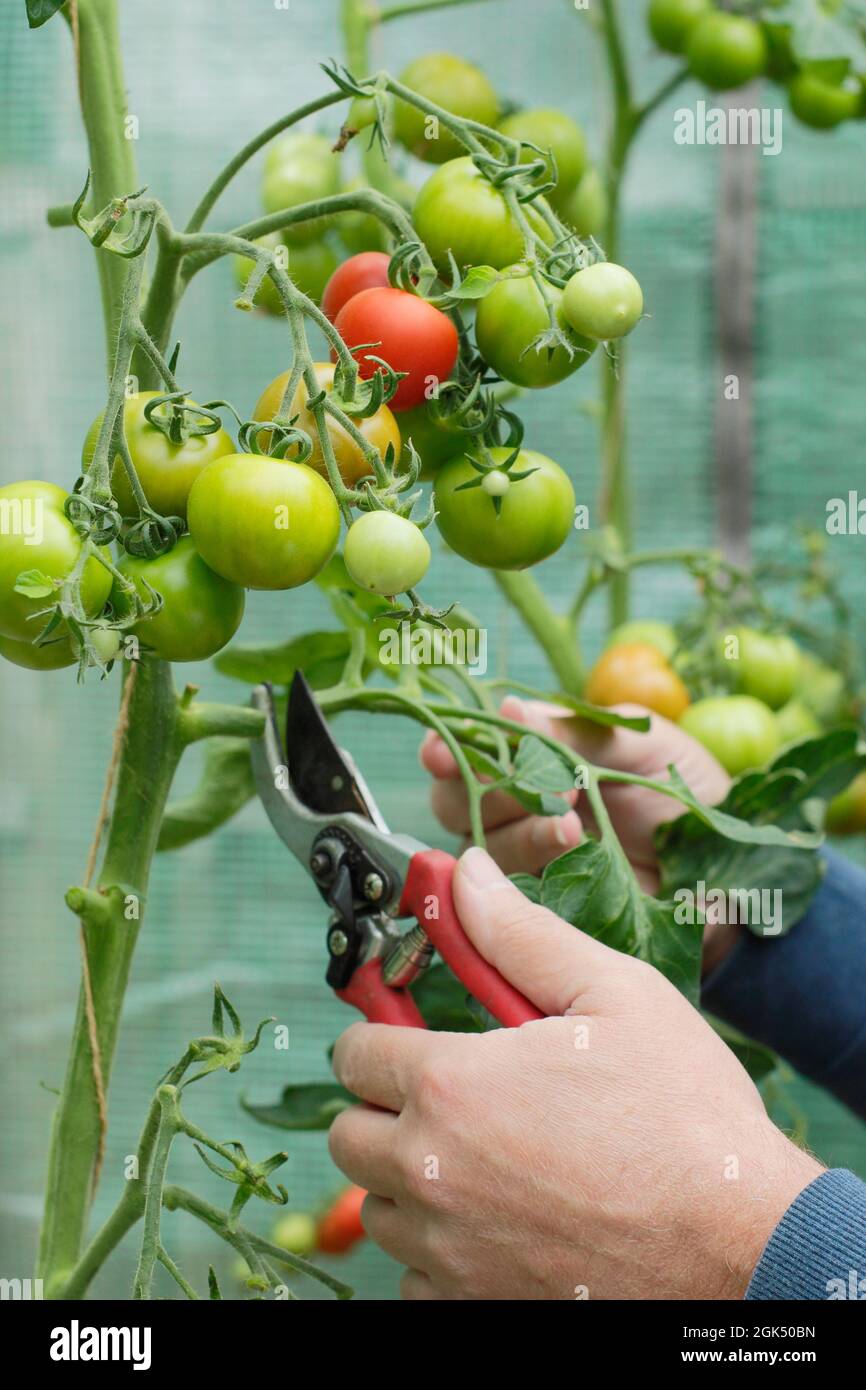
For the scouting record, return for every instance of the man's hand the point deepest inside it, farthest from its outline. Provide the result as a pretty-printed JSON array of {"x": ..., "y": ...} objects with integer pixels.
[
  {"x": 614, "y": 1150},
  {"x": 523, "y": 843}
]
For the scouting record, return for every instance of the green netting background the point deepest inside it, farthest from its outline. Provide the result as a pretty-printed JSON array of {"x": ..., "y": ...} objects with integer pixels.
[{"x": 202, "y": 78}]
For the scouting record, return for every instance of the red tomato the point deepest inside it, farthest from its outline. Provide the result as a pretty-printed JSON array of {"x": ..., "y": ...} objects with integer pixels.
[
  {"x": 340, "y": 1228},
  {"x": 367, "y": 271},
  {"x": 411, "y": 336}
]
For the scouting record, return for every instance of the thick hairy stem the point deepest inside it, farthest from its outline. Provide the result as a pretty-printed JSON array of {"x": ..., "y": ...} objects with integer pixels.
[
  {"x": 554, "y": 633},
  {"x": 112, "y": 157},
  {"x": 111, "y": 918}
]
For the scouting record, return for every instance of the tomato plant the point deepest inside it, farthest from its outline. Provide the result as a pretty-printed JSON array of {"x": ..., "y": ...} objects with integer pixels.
[
  {"x": 408, "y": 333},
  {"x": 671, "y": 21},
  {"x": 560, "y": 137},
  {"x": 739, "y": 730},
  {"x": 386, "y": 554},
  {"x": 165, "y": 469},
  {"x": 458, "y": 211},
  {"x": 201, "y": 611},
  {"x": 455, "y": 85},
  {"x": 263, "y": 523},
  {"x": 822, "y": 104},
  {"x": 367, "y": 271},
  {"x": 311, "y": 265},
  {"x": 532, "y": 520},
  {"x": 637, "y": 673},
  {"x": 379, "y": 430},
  {"x": 726, "y": 50},
  {"x": 509, "y": 323},
  {"x": 39, "y": 539},
  {"x": 341, "y": 1226},
  {"x": 603, "y": 301}
]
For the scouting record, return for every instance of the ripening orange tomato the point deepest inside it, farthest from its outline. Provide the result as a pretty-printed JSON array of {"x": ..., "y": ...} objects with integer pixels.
[{"x": 637, "y": 673}]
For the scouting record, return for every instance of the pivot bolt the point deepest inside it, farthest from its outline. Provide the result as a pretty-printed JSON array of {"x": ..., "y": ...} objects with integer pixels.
[
  {"x": 374, "y": 887},
  {"x": 338, "y": 942},
  {"x": 320, "y": 863}
]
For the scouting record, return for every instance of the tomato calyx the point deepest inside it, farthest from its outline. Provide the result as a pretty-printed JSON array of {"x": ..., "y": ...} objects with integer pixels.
[
  {"x": 185, "y": 419},
  {"x": 495, "y": 478}
]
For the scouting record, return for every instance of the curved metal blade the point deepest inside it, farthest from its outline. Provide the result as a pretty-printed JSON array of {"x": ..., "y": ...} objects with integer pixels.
[{"x": 322, "y": 775}]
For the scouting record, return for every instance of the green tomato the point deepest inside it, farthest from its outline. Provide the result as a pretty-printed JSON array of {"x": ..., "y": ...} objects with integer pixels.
[
  {"x": 551, "y": 130},
  {"x": 846, "y": 813},
  {"x": 768, "y": 666},
  {"x": 507, "y": 323},
  {"x": 459, "y": 88},
  {"x": 822, "y": 105},
  {"x": 360, "y": 231},
  {"x": 386, "y": 554},
  {"x": 671, "y": 21},
  {"x": 309, "y": 266},
  {"x": 822, "y": 690},
  {"x": 603, "y": 301},
  {"x": 295, "y": 1232},
  {"x": 587, "y": 208},
  {"x": 458, "y": 210},
  {"x": 264, "y": 523},
  {"x": 434, "y": 444},
  {"x": 36, "y": 535},
  {"x": 796, "y": 722},
  {"x": 166, "y": 471},
  {"x": 300, "y": 169},
  {"x": 741, "y": 732},
  {"x": 534, "y": 517},
  {"x": 201, "y": 610},
  {"x": 726, "y": 50},
  {"x": 647, "y": 630},
  {"x": 51, "y": 656}
]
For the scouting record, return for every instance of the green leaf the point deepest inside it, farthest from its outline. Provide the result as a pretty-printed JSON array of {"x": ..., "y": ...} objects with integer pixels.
[
  {"x": 477, "y": 283},
  {"x": 40, "y": 11},
  {"x": 34, "y": 584},
  {"x": 597, "y": 714},
  {"x": 538, "y": 767},
  {"x": 445, "y": 1003},
  {"x": 593, "y": 888},
  {"x": 314, "y": 1105},
  {"x": 822, "y": 30},
  {"x": 320, "y": 655},
  {"x": 787, "y": 799},
  {"x": 225, "y": 786}
]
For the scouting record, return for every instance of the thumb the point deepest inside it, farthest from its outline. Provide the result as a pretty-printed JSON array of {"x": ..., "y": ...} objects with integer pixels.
[{"x": 551, "y": 962}]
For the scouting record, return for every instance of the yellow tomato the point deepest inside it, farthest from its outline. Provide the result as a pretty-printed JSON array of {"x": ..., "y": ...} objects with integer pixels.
[
  {"x": 637, "y": 673},
  {"x": 380, "y": 429}
]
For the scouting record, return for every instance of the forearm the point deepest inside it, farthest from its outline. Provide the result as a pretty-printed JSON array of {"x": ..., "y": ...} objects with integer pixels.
[{"x": 805, "y": 994}]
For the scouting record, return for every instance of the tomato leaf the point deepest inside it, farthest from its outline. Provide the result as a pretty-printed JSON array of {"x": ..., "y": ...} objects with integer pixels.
[
  {"x": 312, "y": 1106},
  {"x": 593, "y": 888},
  {"x": 477, "y": 283},
  {"x": 320, "y": 655},
  {"x": 819, "y": 31},
  {"x": 445, "y": 1004},
  {"x": 225, "y": 786},
  {"x": 40, "y": 11},
  {"x": 34, "y": 584},
  {"x": 786, "y": 799}
]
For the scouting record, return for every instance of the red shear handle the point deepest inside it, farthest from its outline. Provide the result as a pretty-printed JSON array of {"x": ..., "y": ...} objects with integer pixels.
[
  {"x": 378, "y": 1002},
  {"x": 428, "y": 896}
]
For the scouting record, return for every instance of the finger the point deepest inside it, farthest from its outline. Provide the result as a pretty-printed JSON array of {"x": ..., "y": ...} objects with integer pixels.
[
  {"x": 527, "y": 845},
  {"x": 415, "y": 1287},
  {"x": 361, "y": 1143},
  {"x": 394, "y": 1231},
  {"x": 555, "y": 965},
  {"x": 451, "y": 807},
  {"x": 378, "y": 1062}
]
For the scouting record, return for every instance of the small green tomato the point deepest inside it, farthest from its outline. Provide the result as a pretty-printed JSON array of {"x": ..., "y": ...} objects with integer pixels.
[
  {"x": 386, "y": 554},
  {"x": 603, "y": 301}
]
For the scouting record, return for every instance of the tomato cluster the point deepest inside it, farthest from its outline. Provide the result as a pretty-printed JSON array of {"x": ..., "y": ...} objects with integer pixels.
[
  {"x": 726, "y": 50},
  {"x": 773, "y": 694},
  {"x": 268, "y": 515}
]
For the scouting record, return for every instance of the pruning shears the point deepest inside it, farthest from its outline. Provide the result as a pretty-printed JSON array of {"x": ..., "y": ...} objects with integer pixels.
[{"x": 321, "y": 808}]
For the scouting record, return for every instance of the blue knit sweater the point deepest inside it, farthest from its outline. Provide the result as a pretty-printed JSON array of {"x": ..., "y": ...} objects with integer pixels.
[{"x": 805, "y": 995}]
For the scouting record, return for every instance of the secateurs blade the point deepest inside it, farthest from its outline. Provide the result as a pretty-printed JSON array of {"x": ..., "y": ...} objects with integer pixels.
[{"x": 322, "y": 809}]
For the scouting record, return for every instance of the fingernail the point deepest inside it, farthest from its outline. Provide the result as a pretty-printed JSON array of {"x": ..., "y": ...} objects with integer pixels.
[{"x": 480, "y": 869}]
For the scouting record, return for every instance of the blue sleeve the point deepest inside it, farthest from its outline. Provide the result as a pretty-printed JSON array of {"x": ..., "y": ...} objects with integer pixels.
[
  {"x": 804, "y": 994},
  {"x": 818, "y": 1249}
]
